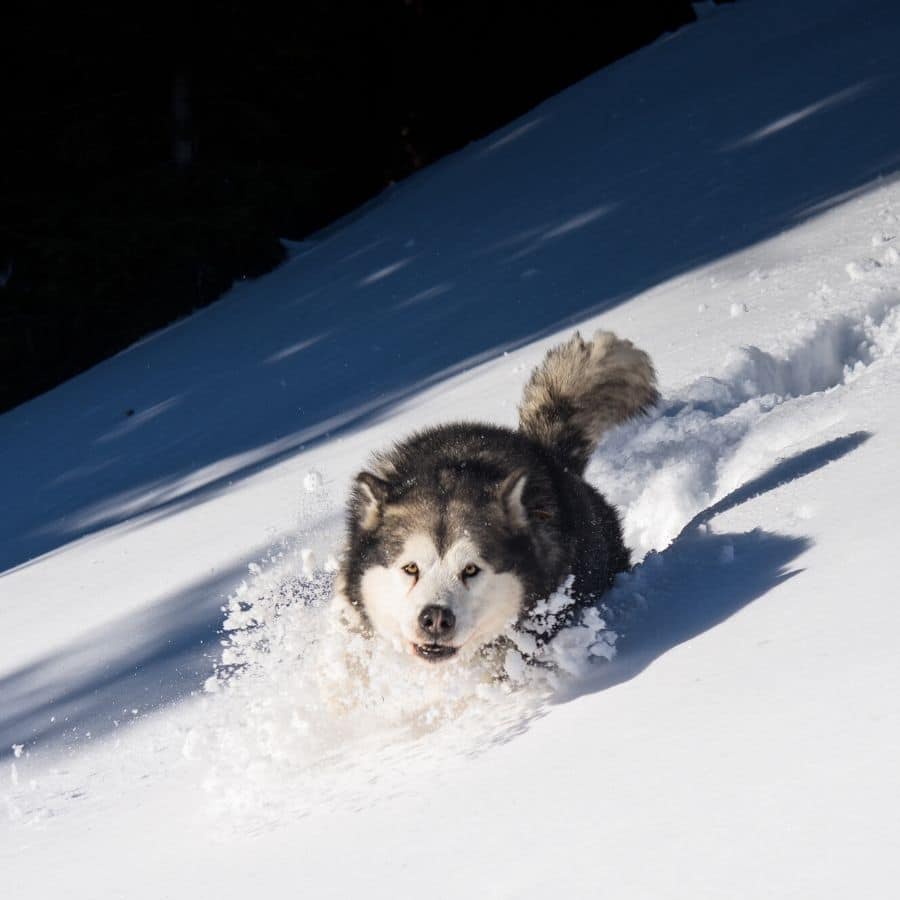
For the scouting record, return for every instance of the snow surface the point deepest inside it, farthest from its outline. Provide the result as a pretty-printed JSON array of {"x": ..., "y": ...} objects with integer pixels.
[{"x": 179, "y": 715}]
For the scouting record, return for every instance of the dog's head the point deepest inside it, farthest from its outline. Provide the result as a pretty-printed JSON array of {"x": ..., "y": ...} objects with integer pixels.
[{"x": 440, "y": 566}]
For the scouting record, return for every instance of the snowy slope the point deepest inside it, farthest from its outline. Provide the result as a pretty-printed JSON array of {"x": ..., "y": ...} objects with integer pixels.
[{"x": 726, "y": 198}]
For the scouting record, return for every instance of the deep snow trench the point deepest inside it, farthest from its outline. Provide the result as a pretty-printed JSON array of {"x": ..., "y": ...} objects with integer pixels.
[{"x": 709, "y": 438}]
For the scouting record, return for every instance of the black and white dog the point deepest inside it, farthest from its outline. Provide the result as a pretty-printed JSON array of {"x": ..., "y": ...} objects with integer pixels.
[{"x": 456, "y": 533}]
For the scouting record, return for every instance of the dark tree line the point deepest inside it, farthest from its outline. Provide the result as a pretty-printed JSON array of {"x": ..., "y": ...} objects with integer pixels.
[{"x": 154, "y": 153}]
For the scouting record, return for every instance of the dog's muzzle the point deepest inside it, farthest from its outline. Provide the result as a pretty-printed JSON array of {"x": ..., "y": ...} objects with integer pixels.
[{"x": 437, "y": 624}]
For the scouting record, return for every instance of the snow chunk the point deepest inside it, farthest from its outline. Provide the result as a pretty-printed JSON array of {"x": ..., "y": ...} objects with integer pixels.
[
  {"x": 312, "y": 481},
  {"x": 859, "y": 269},
  {"x": 307, "y": 562}
]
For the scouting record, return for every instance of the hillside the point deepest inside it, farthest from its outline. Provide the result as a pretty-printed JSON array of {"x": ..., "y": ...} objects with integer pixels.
[{"x": 726, "y": 198}]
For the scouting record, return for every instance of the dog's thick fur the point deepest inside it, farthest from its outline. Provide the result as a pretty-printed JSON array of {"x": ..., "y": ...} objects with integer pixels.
[{"x": 482, "y": 522}]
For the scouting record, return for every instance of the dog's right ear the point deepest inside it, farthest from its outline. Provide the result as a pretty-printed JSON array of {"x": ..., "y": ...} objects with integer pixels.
[
  {"x": 370, "y": 496},
  {"x": 511, "y": 498}
]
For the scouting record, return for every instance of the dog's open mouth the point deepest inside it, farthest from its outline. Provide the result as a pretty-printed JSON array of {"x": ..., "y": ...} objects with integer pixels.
[{"x": 434, "y": 652}]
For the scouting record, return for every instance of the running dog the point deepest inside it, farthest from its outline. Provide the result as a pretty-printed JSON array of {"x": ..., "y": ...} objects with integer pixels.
[{"x": 456, "y": 533}]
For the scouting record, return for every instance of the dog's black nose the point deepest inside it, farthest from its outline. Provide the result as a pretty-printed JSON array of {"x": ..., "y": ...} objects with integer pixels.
[{"x": 437, "y": 621}]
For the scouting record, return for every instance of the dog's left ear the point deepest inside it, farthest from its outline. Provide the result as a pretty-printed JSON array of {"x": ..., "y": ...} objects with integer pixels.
[
  {"x": 371, "y": 495},
  {"x": 511, "y": 498}
]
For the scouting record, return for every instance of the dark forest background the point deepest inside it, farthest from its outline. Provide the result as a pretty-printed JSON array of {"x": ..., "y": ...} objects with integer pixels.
[{"x": 154, "y": 153}]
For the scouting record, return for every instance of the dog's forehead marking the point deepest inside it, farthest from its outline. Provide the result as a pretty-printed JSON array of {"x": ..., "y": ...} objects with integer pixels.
[
  {"x": 422, "y": 549},
  {"x": 462, "y": 551},
  {"x": 445, "y": 516},
  {"x": 419, "y": 547}
]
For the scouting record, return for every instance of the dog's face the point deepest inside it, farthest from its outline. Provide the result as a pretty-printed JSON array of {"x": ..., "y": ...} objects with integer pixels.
[
  {"x": 441, "y": 573},
  {"x": 437, "y": 601}
]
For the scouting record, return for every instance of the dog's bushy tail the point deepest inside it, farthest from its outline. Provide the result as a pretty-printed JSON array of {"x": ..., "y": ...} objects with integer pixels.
[{"x": 581, "y": 390}]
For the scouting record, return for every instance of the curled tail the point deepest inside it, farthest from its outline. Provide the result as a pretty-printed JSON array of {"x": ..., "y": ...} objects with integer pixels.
[{"x": 581, "y": 390}]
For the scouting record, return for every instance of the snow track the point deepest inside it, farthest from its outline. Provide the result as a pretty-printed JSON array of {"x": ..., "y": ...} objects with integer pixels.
[{"x": 713, "y": 435}]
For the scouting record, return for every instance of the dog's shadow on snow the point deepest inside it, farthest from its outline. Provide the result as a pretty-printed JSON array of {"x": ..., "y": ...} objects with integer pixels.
[{"x": 702, "y": 578}]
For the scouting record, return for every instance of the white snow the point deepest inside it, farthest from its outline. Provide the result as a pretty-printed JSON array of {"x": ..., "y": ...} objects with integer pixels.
[{"x": 181, "y": 716}]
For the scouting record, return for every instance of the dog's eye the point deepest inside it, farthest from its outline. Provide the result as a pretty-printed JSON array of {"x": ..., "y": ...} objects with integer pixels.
[
  {"x": 411, "y": 569},
  {"x": 470, "y": 571}
]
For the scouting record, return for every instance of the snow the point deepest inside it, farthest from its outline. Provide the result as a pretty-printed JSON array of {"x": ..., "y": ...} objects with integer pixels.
[{"x": 179, "y": 713}]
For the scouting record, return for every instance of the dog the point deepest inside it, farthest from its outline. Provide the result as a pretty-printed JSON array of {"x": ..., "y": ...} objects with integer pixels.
[{"x": 455, "y": 534}]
